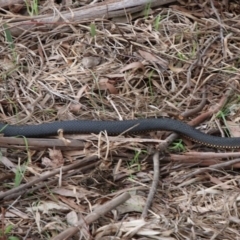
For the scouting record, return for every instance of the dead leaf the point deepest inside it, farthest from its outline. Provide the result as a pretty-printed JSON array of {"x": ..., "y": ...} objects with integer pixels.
[
  {"x": 75, "y": 107},
  {"x": 135, "y": 204},
  {"x": 90, "y": 62},
  {"x": 104, "y": 84},
  {"x": 56, "y": 159},
  {"x": 38, "y": 220},
  {"x": 134, "y": 65},
  {"x": 117, "y": 75},
  {"x": 76, "y": 193},
  {"x": 175, "y": 69},
  {"x": 214, "y": 180},
  {"x": 233, "y": 128},
  {"x": 218, "y": 182},
  {"x": 16, "y": 8},
  {"x": 80, "y": 92},
  {"x": 139, "y": 226},
  {"x": 8, "y": 164},
  {"x": 152, "y": 58},
  {"x": 72, "y": 204},
  {"x": 47, "y": 162},
  {"x": 45, "y": 207},
  {"x": 14, "y": 213},
  {"x": 72, "y": 218}
]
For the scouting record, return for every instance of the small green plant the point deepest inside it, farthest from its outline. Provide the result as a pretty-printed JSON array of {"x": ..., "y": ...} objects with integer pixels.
[
  {"x": 9, "y": 40},
  {"x": 13, "y": 238},
  {"x": 32, "y": 7},
  {"x": 20, "y": 171},
  {"x": 93, "y": 30},
  {"x": 194, "y": 49},
  {"x": 147, "y": 10},
  {"x": 99, "y": 90},
  {"x": 231, "y": 69},
  {"x": 1, "y": 129},
  {"x": 182, "y": 56},
  {"x": 178, "y": 146},
  {"x": 135, "y": 160},
  {"x": 7, "y": 231},
  {"x": 10, "y": 102},
  {"x": 222, "y": 114},
  {"x": 157, "y": 22}
]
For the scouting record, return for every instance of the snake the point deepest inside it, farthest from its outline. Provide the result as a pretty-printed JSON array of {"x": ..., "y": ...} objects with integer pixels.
[{"x": 113, "y": 128}]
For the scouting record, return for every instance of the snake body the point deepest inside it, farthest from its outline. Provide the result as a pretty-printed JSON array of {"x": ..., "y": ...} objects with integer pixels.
[{"x": 118, "y": 127}]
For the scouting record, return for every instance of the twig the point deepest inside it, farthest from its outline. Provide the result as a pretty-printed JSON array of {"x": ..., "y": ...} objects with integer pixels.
[
  {"x": 206, "y": 155},
  {"x": 154, "y": 184},
  {"x": 215, "y": 166},
  {"x": 198, "y": 108},
  {"x": 96, "y": 214},
  {"x": 221, "y": 28},
  {"x": 197, "y": 161}
]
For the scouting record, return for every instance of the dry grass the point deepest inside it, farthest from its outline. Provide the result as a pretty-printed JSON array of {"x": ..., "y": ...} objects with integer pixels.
[{"x": 137, "y": 69}]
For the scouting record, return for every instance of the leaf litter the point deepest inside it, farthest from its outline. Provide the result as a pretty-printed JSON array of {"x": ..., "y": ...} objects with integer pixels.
[{"x": 130, "y": 71}]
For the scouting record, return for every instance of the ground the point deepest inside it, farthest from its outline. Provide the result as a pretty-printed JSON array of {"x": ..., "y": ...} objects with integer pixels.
[{"x": 180, "y": 61}]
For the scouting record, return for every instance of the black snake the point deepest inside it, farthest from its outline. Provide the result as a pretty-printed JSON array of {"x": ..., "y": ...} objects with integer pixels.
[{"x": 118, "y": 127}]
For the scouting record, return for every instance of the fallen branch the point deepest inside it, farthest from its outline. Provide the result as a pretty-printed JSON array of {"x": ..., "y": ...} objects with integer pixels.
[
  {"x": 40, "y": 143},
  {"x": 96, "y": 214},
  {"x": 106, "y": 9}
]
